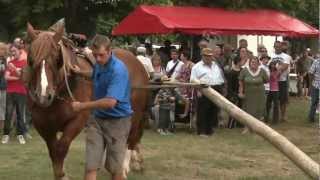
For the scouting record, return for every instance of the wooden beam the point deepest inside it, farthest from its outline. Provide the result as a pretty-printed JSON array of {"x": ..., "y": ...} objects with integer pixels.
[{"x": 297, "y": 156}]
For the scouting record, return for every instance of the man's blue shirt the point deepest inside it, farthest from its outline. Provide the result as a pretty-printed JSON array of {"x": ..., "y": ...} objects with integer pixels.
[{"x": 112, "y": 81}]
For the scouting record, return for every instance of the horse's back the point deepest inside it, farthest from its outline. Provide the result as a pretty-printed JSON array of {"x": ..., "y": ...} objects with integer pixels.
[{"x": 138, "y": 74}]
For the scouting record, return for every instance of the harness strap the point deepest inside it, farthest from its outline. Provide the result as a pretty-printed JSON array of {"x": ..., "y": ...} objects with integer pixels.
[{"x": 67, "y": 82}]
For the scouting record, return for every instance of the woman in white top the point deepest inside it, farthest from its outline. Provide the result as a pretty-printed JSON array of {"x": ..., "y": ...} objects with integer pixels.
[{"x": 159, "y": 71}]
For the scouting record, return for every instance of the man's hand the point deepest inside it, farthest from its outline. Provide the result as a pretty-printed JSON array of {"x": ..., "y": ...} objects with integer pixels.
[
  {"x": 241, "y": 95},
  {"x": 12, "y": 67},
  {"x": 172, "y": 99},
  {"x": 77, "y": 106},
  {"x": 75, "y": 69}
]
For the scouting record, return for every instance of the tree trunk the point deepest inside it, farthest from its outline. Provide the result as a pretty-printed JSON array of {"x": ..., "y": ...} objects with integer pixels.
[
  {"x": 70, "y": 11},
  {"x": 303, "y": 161}
]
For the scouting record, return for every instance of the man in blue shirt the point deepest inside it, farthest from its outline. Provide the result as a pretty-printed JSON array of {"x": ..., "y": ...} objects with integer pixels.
[{"x": 109, "y": 130}]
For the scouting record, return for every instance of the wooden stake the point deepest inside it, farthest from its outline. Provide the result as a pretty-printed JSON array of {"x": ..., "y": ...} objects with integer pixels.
[{"x": 297, "y": 156}]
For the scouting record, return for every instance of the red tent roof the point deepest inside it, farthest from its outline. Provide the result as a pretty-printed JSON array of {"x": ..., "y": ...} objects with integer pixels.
[{"x": 200, "y": 20}]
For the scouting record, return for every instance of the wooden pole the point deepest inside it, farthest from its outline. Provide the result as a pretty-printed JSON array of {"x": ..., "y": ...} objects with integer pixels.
[{"x": 298, "y": 157}]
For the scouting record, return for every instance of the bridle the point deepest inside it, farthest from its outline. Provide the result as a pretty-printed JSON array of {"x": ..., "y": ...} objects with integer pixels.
[{"x": 59, "y": 85}]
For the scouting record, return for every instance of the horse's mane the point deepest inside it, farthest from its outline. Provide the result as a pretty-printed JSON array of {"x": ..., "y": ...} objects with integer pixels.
[{"x": 43, "y": 45}]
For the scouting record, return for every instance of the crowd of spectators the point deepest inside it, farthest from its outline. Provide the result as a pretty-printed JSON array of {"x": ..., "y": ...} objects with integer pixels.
[
  {"x": 13, "y": 93},
  {"x": 257, "y": 84}
]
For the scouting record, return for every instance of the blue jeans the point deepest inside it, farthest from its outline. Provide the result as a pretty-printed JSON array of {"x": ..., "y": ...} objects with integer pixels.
[
  {"x": 15, "y": 102},
  {"x": 314, "y": 103}
]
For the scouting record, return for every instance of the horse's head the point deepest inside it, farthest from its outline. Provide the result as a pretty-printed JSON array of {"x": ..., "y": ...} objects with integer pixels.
[{"x": 45, "y": 60}]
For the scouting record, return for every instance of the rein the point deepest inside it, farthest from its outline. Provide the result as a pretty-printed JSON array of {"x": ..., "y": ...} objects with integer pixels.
[{"x": 67, "y": 82}]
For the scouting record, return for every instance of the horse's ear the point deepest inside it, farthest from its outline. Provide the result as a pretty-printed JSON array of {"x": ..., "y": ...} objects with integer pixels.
[
  {"x": 31, "y": 32},
  {"x": 59, "y": 33}
]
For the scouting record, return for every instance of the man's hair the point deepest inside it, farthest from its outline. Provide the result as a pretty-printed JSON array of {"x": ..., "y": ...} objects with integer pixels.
[
  {"x": 100, "y": 40},
  {"x": 253, "y": 58},
  {"x": 285, "y": 42},
  {"x": 174, "y": 50},
  {"x": 277, "y": 42},
  {"x": 243, "y": 40}
]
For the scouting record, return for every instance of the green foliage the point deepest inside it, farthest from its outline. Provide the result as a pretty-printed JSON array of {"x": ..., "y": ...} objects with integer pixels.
[{"x": 91, "y": 16}]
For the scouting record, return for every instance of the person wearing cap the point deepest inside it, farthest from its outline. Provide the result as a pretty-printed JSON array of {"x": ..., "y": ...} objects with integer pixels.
[
  {"x": 146, "y": 62},
  {"x": 207, "y": 72}
]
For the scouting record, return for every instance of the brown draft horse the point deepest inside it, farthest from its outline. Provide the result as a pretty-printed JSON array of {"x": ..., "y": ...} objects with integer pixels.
[{"x": 49, "y": 100}]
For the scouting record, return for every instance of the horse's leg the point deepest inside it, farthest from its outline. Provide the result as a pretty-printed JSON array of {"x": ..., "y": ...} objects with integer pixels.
[
  {"x": 61, "y": 147},
  {"x": 51, "y": 140},
  {"x": 133, "y": 157},
  {"x": 137, "y": 159},
  {"x": 57, "y": 160}
]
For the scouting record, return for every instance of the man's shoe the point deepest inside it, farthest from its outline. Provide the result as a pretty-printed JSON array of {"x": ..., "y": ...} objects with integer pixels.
[
  {"x": 21, "y": 139},
  {"x": 5, "y": 139},
  {"x": 203, "y": 135}
]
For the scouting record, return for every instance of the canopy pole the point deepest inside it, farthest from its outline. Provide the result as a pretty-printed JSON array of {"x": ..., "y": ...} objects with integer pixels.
[
  {"x": 191, "y": 47},
  {"x": 298, "y": 157}
]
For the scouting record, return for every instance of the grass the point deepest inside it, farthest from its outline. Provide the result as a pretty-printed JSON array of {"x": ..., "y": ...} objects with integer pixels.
[{"x": 184, "y": 156}]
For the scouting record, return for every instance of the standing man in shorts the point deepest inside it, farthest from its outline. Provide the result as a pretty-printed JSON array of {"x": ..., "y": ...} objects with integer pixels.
[
  {"x": 283, "y": 65},
  {"x": 109, "y": 130}
]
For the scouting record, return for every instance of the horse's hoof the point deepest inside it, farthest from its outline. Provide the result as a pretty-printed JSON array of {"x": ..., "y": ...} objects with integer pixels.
[
  {"x": 137, "y": 167},
  {"x": 126, "y": 164}
]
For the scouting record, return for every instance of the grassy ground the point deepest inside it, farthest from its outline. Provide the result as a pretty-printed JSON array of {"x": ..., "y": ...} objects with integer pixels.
[{"x": 184, "y": 156}]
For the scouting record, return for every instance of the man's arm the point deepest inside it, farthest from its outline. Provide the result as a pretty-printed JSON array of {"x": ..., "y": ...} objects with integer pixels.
[
  {"x": 104, "y": 103},
  {"x": 286, "y": 64},
  {"x": 241, "y": 88},
  {"x": 283, "y": 67},
  {"x": 8, "y": 77}
]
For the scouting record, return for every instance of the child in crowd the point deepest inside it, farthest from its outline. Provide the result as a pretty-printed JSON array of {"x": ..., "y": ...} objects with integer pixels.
[
  {"x": 273, "y": 95},
  {"x": 165, "y": 110}
]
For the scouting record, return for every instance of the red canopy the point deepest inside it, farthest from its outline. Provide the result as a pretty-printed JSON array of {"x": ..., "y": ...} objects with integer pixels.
[{"x": 215, "y": 21}]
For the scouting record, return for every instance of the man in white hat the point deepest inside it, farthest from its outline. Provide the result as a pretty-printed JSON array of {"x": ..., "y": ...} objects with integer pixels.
[{"x": 146, "y": 62}]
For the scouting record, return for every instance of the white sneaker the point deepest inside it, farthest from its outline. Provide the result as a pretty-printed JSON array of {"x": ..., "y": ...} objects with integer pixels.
[
  {"x": 21, "y": 139},
  {"x": 5, "y": 139}
]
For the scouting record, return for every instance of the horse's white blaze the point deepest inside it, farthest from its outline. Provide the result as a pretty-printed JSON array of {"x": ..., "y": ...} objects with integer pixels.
[
  {"x": 44, "y": 79},
  {"x": 126, "y": 163}
]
